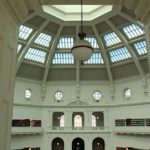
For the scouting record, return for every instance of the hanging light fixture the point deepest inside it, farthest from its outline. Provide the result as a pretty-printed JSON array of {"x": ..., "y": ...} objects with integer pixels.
[{"x": 82, "y": 50}]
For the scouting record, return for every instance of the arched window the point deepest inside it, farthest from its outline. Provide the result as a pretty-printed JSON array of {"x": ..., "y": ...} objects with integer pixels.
[
  {"x": 77, "y": 121},
  {"x": 93, "y": 121},
  {"x": 62, "y": 121}
]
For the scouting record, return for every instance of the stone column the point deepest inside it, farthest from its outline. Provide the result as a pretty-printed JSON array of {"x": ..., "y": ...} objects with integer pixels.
[
  {"x": 68, "y": 120},
  {"x": 88, "y": 119},
  {"x": 8, "y": 47}
]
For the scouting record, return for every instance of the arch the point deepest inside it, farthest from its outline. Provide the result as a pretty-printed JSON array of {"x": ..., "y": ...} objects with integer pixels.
[
  {"x": 98, "y": 144},
  {"x": 57, "y": 144},
  {"x": 77, "y": 121},
  {"x": 58, "y": 119},
  {"x": 78, "y": 144}
]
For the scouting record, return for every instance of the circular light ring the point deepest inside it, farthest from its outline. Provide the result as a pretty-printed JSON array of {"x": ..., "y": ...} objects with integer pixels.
[
  {"x": 28, "y": 93},
  {"x": 80, "y": 46},
  {"x": 58, "y": 96},
  {"x": 127, "y": 93},
  {"x": 97, "y": 95}
]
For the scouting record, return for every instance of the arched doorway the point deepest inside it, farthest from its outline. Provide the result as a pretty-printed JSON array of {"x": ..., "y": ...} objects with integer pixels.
[
  {"x": 78, "y": 144},
  {"x": 98, "y": 144},
  {"x": 57, "y": 144}
]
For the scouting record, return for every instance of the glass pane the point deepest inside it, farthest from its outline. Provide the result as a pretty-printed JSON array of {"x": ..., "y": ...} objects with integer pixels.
[
  {"x": 43, "y": 39},
  {"x": 24, "y": 32},
  {"x": 133, "y": 31},
  {"x": 96, "y": 58},
  {"x": 65, "y": 42},
  {"x": 93, "y": 41},
  {"x": 111, "y": 39},
  {"x": 36, "y": 55},
  {"x": 141, "y": 47},
  {"x": 119, "y": 54},
  {"x": 63, "y": 58}
]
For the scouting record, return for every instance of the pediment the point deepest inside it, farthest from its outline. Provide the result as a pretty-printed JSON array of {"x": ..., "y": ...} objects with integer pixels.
[{"x": 78, "y": 104}]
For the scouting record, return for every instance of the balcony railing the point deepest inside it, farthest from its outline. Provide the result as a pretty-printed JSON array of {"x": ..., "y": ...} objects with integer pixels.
[
  {"x": 132, "y": 126},
  {"x": 78, "y": 129}
]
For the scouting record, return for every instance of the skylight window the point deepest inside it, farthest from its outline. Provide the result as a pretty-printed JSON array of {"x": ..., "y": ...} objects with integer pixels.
[
  {"x": 119, "y": 54},
  {"x": 63, "y": 58},
  {"x": 111, "y": 39},
  {"x": 24, "y": 32},
  {"x": 36, "y": 55},
  {"x": 96, "y": 58},
  {"x": 141, "y": 47},
  {"x": 92, "y": 41},
  {"x": 133, "y": 31},
  {"x": 43, "y": 39},
  {"x": 19, "y": 48},
  {"x": 65, "y": 42}
]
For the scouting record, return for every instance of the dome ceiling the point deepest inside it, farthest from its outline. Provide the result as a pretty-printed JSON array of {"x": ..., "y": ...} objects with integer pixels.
[{"x": 118, "y": 39}]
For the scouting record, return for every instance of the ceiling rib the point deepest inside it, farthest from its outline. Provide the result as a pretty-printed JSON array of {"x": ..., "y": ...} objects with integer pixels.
[
  {"x": 29, "y": 43},
  {"x": 104, "y": 54},
  {"x": 131, "y": 50},
  {"x": 50, "y": 56},
  {"x": 131, "y": 19}
]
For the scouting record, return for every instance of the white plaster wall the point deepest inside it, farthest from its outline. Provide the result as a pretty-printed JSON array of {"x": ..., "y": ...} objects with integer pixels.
[{"x": 118, "y": 108}]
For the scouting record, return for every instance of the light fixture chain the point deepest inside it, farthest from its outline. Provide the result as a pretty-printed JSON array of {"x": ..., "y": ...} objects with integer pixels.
[{"x": 81, "y": 16}]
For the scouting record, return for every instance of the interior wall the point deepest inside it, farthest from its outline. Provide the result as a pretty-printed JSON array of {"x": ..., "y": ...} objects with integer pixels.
[{"x": 114, "y": 108}]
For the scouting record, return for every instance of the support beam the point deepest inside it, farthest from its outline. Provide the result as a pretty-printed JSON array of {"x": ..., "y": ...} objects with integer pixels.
[
  {"x": 147, "y": 38},
  {"x": 106, "y": 61},
  {"x": 29, "y": 43},
  {"x": 104, "y": 54},
  {"x": 77, "y": 63},
  {"x": 131, "y": 19},
  {"x": 31, "y": 15},
  {"x": 131, "y": 50},
  {"x": 50, "y": 56}
]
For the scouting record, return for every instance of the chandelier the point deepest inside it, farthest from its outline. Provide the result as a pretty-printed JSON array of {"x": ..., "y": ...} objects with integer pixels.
[{"x": 82, "y": 49}]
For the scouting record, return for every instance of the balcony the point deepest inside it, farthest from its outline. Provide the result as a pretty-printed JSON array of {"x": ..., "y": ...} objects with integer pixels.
[
  {"x": 27, "y": 130},
  {"x": 132, "y": 126},
  {"x": 57, "y": 129}
]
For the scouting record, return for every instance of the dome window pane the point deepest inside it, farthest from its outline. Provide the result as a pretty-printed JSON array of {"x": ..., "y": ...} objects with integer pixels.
[
  {"x": 96, "y": 58},
  {"x": 111, "y": 39},
  {"x": 24, "y": 32},
  {"x": 141, "y": 47},
  {"x": 43, "y": 39},
  {"x": 133, "y": 31},
  {"x": 36, "y": 55},
  {"x": 65, "y": 43},
  {"x": 92, "y": 41},
  {"x": 119, "y": 54},
  {"x": 63, "y": 58}
]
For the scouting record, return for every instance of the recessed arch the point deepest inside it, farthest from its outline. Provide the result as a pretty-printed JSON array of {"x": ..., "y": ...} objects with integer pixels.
[
  {"x": 78, "y": 144},
  {"x": 98, "y": 144},
  {"x": 57, "y": 144}
]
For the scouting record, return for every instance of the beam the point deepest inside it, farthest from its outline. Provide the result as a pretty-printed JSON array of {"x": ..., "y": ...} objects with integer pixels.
[
  {"x": 131, "y": 50},
  {"x": 29, "y": 43},
  {"x": 104, "y": 54},
  {"x": 147, "y": 38},
  {"x": 131, "y": 19},
  {"x": 50, "y": 56}
]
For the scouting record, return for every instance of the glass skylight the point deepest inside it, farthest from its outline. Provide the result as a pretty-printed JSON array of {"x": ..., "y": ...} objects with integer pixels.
[
  {"x": 63, "y": 58},
  {"x": 119, "y": 54},
  {"x": 24, "y": 32},
  {"x": 133, "y": 31},
  {"x": 43, "y": 39},
  {"x": 19, "y": 48},
  {"x": 96, "y": 58},
  {"x": 65, "y": 42},
  {"x": 36, "y": 55},
  {"x": 92, "y": 41},
  {"x": 111, "y": 39},
  {"x": 141, "y": 47}
]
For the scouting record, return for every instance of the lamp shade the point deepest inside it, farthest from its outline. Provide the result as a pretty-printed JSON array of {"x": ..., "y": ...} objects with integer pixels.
[{"x": 82, "y": 50}]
